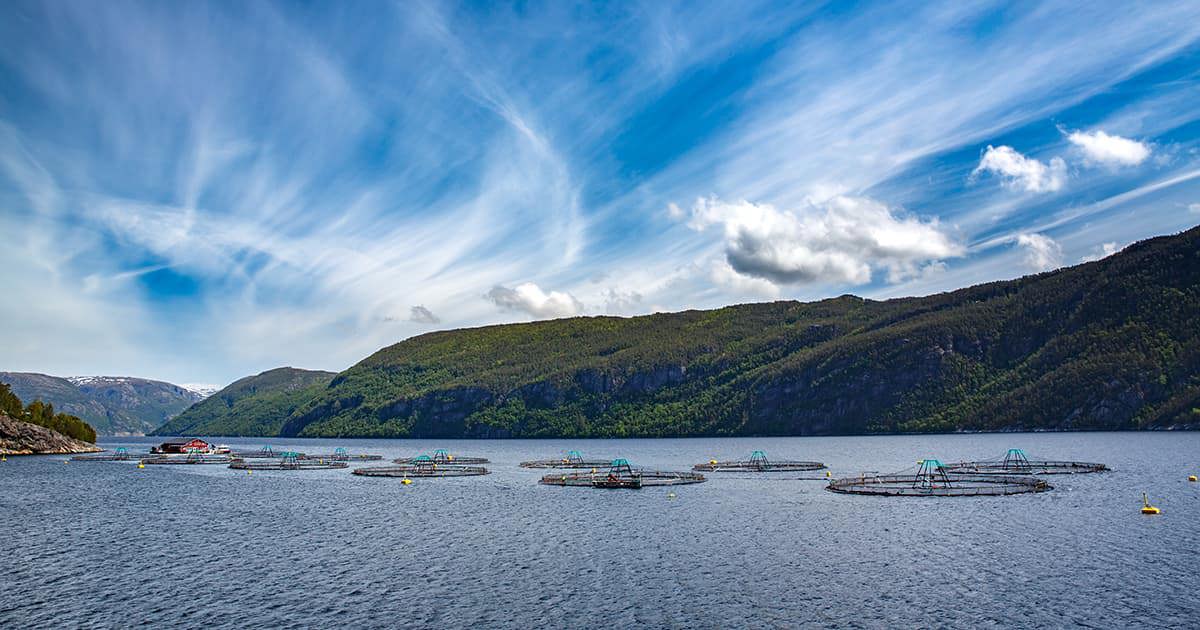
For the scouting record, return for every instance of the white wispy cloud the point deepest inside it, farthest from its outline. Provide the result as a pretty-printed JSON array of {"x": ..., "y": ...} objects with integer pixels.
[
  {"x": 1100, "y": 148},
  {"x": 1194, "y": 207},
  {"x": 840, "y": 240},
  {"x": 1041, "y": 253},
  {"x": 1104, "y": 250},
  {"x": 1020, "y": 172},
  {"x": 530, "y": 298}
]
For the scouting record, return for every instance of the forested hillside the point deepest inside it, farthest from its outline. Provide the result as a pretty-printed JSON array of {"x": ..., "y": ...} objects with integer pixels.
[
  {"x": 1110, "y": 344},
  {"x": 255, "y": 405},
  {"x": 44, "y": 415}
]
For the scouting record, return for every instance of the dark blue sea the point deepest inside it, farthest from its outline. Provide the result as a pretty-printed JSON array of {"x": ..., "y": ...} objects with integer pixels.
[{"x": 105, "y": 544}]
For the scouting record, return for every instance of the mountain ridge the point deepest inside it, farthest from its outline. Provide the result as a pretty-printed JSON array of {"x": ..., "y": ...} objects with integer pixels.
[
  {"x": 1108, "y": 344},
  {"x": 114, "y": 405}
]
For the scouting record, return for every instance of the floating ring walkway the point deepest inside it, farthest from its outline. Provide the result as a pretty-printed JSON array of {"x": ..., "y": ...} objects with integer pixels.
[
  {"x": 932, "y": 479},
  {"x": 442, "y": 456},
  {"x": 422, "y": 466},
  {"x": 190, "y": 458},
  {"x": 1015, "y": 462},
  {"x": 121, "y": 454},
  {"x": 758, "y": 462},
  {"x": 621, "y": 475},
  {"x": 574, "y": 459},
  {"x": 288, "y": 461}
]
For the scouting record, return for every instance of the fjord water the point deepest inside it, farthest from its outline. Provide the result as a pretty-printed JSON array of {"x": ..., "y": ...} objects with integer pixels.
[{"x": 108, "y": 544}]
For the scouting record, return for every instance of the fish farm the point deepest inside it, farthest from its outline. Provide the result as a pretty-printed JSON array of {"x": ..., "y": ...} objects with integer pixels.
[
  {"x": 621, "y": 475},
  {"x": 758, "y": 462},
  {"x": 288, "y": 461},
  {"x": 194, "y": 458},
  {"x": 1015, "y": 462},
  {"x": 442, "y": 456},
  {"x": 121, "y": 454},
  {"x": 422, "y": 466},
  {"x": 932, "y": 479},
  {"x": 266, "y": 452},
  {"x": 342, "y": 455},
  {"x": 573, "y": 459}
]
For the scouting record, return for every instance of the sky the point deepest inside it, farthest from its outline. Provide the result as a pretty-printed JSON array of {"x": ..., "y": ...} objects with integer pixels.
[{"x": 198, "y": 191}]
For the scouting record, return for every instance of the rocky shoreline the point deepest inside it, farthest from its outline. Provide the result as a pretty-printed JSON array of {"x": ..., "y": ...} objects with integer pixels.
[{"x": 24, "y": 438}]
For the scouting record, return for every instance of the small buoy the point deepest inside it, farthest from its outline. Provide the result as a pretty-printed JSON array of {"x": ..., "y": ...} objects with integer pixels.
[
  {"x": 141, "y": 465},
  {"x": 1191, "y": 477},
  {"x": 249, "y": 472},
  {"x": 828, "y": 474},
  {"x": 66, "y": 461},
  {"x": 406, "y": 481},
  {"x": 713, "y": 462},
  {"x": 1147, "y": 508},
  {"x": 670, "y": 495}
]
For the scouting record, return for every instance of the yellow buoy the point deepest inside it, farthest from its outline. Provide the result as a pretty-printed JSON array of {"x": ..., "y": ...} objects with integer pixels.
[
  {"x": 828, "y": 474},
  {"x": 713, "y": 462},
  {"x": 249, "y": 472},
  {"x": 1191, "y": 477},
  {"x": 670, "y": 495},
  {"x": 66, "y": 461},
  {"x": 141, "y": 465},
  {"x": 1147, "y": 508},
  {"x": 406, "y": 481}
]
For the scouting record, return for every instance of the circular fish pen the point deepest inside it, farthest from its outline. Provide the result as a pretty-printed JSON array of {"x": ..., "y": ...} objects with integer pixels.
[
  {"x": 266, "y": 452},
  {"x": 573, "y": 459},
  {"x": 287, "y": 461},
  {"x": 1015, "y": 462},
  {"x": 442, "y": 456},
  {"x": 422, "y": 466},
  {"x": 340, "y": 454},
  {"x": 621, "y": 475},
  {"x": 193, "y": 458},
  {"x": 932, "y": 479},
  {"x": 758, "y": 462},
  {"x": 121, "y": 454}
]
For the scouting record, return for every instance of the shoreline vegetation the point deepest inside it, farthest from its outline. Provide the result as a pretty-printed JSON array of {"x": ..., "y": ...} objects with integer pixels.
[
  {"x": 37, "y": 429},
  {"x": 1112, "y": 344}
]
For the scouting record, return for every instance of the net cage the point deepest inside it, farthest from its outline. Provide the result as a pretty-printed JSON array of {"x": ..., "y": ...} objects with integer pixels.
[
  {"x": 1015, "y": 462},
  {"x": 340, "y": 454},
  {"x": 120, "y": 454},
  {"x": 757, "y": 462},
  {"x": 931, "y": 478},
  {"x": 288, "y": 460},
  {"x": 620, "y": 474},
  {"x": 442, "y": 456},
  {"x": 422, "y": 466},
  {"x": 573, "y": 459}
]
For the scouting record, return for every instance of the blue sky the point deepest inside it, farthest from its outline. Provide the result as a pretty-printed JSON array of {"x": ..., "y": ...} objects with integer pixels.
[{"x": 200, "y": 191}]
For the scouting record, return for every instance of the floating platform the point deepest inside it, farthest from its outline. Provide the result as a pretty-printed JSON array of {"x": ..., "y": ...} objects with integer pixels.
[
  {"x": 620, "y": 474},
  {"x": 442, "y": 456},
  {"x": 121, "y": 454},
  {"x": 932, "y": 479},
  {"x": 573, "y": 459},
  {"x": 758, "y": 462},
  {"x": 422, "y": 466},
  {"x": 342, "y": 455},
  {"x": 191, "y": 458},
  {"x": 1015, "y": 462},
  {"x": 288, "y": 461},
  {"x": 266, "y": 452}
]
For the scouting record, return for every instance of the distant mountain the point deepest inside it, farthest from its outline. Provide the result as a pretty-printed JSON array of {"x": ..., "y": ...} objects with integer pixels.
[
  {"x": 255, "y": 405},
  {"x": 113, "y": 405}
]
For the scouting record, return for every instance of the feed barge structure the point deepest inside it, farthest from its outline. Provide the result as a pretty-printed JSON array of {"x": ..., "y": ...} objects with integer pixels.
[
  {"x": 287, "y": 461},
  {"x": 572, "y": 460},
  {"x": 422, "y": 466},
  {"x": 758, "y": 462},
  {"x": 1015, "y": 462},
  {"x": 193, "y": 458},
  {"x": 443, "y": 457},
  {"x": 932, "y": 479},
  {"x": 620, "y": 474}
]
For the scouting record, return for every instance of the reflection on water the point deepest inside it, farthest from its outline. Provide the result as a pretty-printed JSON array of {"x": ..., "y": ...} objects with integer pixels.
[{"x": 107, "y": 544}]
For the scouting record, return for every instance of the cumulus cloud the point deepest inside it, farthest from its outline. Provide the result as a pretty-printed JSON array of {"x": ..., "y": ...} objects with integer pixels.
[
  {"x": 1102, "y": 251},
  {"x": 1101, "y": 148},
  {"x": 1042, "y": 253},
  {"x": 530, "y": 298},
  {"x": 1020, "y": 172},
  {"x": 422, "y": 315},
  {"x": 840, "y": 240},
  {"x": 621, "y": 302}
]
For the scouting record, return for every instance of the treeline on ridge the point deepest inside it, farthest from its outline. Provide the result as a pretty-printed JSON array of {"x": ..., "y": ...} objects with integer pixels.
[{"x": 43, "y": 414}]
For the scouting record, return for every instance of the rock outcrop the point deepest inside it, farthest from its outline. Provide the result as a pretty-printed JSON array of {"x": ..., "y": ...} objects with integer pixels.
[{"x": 24, "y": 438}]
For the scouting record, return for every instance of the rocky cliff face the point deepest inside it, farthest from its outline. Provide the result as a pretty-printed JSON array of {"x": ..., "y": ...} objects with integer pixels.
[{"x": 23, "y": 438}]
